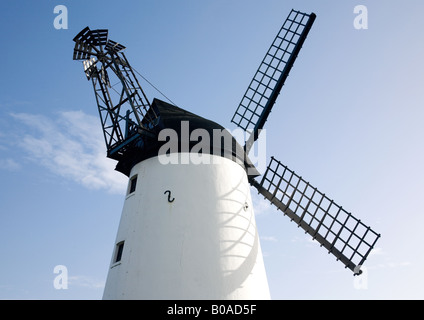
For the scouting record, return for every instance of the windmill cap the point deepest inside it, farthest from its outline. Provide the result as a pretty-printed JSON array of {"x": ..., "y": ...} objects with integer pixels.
[{"x": 180, "y": 131}]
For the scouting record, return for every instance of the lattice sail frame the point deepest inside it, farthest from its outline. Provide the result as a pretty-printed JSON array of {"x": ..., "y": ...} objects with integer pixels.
[
  {"x": 271, "y": 75},
  {"x": 343, "y": 235}
]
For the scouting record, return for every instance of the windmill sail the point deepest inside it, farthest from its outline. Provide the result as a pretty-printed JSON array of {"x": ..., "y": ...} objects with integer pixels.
[
  {"x": 343, "y": 235},
  {"x": 266, "y": 85}
]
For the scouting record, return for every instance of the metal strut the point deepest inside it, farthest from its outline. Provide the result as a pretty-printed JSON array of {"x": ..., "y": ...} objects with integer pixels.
[{"x": 126, "y": 117}]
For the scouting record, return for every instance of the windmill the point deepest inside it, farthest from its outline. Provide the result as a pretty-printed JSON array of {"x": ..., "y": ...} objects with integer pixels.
[{"x": 187, "y": 228}]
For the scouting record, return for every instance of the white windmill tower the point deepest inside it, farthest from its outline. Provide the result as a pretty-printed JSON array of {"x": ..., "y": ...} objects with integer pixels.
[{"x": 187, "y": 229}]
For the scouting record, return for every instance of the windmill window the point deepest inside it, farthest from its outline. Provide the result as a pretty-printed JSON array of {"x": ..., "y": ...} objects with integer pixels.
[
  {"x": 132, "y": 185},
  {"x": 119, "y": 250}
]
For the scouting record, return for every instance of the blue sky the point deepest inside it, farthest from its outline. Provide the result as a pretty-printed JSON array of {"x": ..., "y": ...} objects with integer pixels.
[{"x": 349, "y": 120}]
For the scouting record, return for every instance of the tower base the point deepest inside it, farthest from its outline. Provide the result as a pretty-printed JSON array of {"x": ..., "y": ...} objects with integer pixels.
[{"x": 187, "y": 231}]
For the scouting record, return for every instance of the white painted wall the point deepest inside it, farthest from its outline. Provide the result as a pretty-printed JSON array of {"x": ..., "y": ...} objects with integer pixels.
[{"x": 204, "y": 245}]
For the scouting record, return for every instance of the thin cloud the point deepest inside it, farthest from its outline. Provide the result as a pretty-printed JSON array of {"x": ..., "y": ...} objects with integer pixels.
[
  {"x": 71, "y": 146},
  {"x": 390, "y": 265},
  {"x": 260, "y": 205},
  {"x": 86, "y": 282},
  {"x": 377, "y": 252},
  {"x": 9, "y": 164},
  {"x": 269, "y": 238}
]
